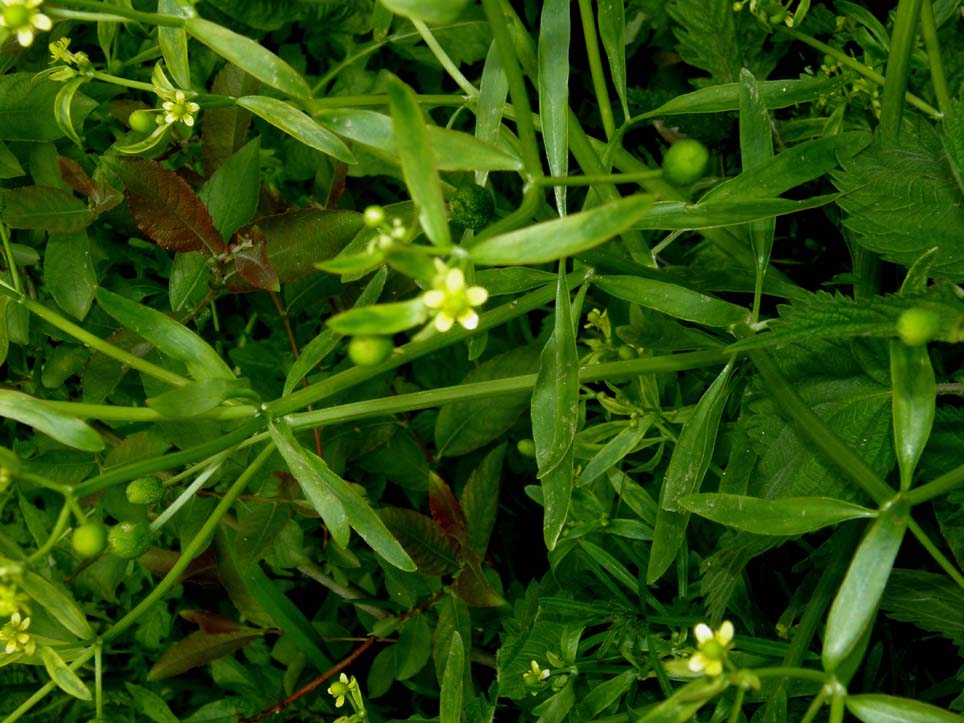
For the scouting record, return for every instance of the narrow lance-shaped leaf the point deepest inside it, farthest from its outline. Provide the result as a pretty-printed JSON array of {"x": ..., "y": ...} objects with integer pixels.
[
  {"x": 687, "y": 468},
  {"x": 681, "y": 216},
  {"x": 552, "y": 240},
  {"x": 554, "y": 31},
  {"x": 57, "y": 604},
  {"x": 62, "y": 105},
  {"x": 69, "y": 272},
  {"x": 915, "y": 397},
  {"x": 297, "y": 125},
  {"x": 431, "y": 11},
  {"x": 418, "y": 167},
  {"x": 856, "y": 603},
  {"x": 612, "y": 30},
  {"x": 672, "y": 299},
  {"x": 56, "y": 425},
  {"x": 555, "y": 414},
  {"x": 170, "y": 337},
  {"x": 200, "y": 397},
  {"x": 62, "y": 675},
  {"x": 877, "y": 708},
  {"x": 173, "y": 44},
  {"x": 786, "y": 516},
  {"x": 493, "y": 91},
  {"x": 450, "y": 706},
  {"x": 250, "y": 56}
]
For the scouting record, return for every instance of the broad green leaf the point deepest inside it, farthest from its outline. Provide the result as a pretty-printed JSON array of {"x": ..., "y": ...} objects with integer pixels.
[
  {"x": 450, "y": 706},
  {"x": 915, "y": 397},
  {"x": 878, "y": 708},
  {"x": 480, "y": 499},
  {"x": 69, "y": 272},
  {"x": 312, "y": 483},
  {"x": 43, "y": 208},
  {"x": 150, "y": 704},
  {"x": 787, "y": 516},
  {"x": 423, "y": 540},
  {"x": 614, "y": 451},
  {"x": 188, "y": 282},
  {"x": 552, "y": 240},
  {"x": 171, "y": 338},
  {"x": 953, "y": 140},
  {"x": 58, "y": 604},
  {"x": 322, "y": 345},
  {"x": 173, "y": 44},
  {"x": 674, "y": 300},
  {"x": 27, "y": 108},
  {"x": 231, "y": 193},
  {"x": 930, "y": 601},
  {"x": 63, "y": 676},
  {"x": 418, "y": 167},
  {"x": 855, "y": 606},
  {"x": 687, "y": 468},
  {"x": 380, "y": 319},
  {"x": 297, "y": 240},
  {"x": 57, "y": 425},
  {"x": 199, "y": 397},
  {"x": 451, "y": 150},
  {"x": 903, "y": 200},
  {"x": 726, "y": 97},
  {"x": 62, "y": 108},
  {"x": 431, "y": 11},
  {"x": 250, "y": 56},
  {"x": 680, "y": 216},
  {"x": 555, "y": 413},
  {"x": 166, "y": 208},
  {"x": 298, "y": 125},
  {"x": 612, "y": 31},
  {"x": 9, "y": 165},
  {"x": 462, "y": 427},
  {"x": 258, "y": 527},
  {"x": 554, "y": 30}
]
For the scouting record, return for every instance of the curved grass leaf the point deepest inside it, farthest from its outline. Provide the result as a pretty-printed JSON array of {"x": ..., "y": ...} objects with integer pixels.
[
  {"x": 856, "y": 603},
  {"x": 250, "y": 56},
  {"x": 556, "y": 239},
  {"x": 674, "y": 300},
  {"x": 63, "y": 676},
  {"x": 612, "y": 32},
  {"x": 493, "y": 92},
  {"x": 680, "y": 216},
  {"x": 171, "y": 338},
  {"x": 614, "y": 451},
  {"x": 878, "y": 708},
  {"x": 915, "y": 397},
  {"x": 200, "y": 397},
  {"x": 43, "y": 208},
  {"x": 784, "y": 517},
  {"x": 418, "y": 166},
  {"x": 554, "y": 30},
  {"x": 57, "y": 604},
  {"x": 62, "y": 106},
  {"x": 298, "y": 125},
  {"x": 56, "y": 425}
]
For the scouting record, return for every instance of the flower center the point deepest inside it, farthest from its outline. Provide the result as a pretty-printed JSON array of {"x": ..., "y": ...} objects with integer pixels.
[
  {"x": 712, "y": 649},
  {"x": 16, "y": 16},
  {"x": 179, "y": 110}
]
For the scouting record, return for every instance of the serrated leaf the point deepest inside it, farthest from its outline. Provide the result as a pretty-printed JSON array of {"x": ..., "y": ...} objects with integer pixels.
[
  {"x": 423, "y": 540},
  {"x": 166, "y": 209},
  {"x": 446, "y": 510},
  {"x": 63, "y": 676},
  {"x": 296, "y": 124},
  {"x": 69, "y": 272},
  {"x": 57, "y": 425},
  {"x": 785, "y": 517},
  {"x": 43, "y": 208},
  {"x": 199, "y": 648},
  {"x": 250, "y": 252},
  {"x": 480, "y": 499},
  {"x": 930, "y": 601}
]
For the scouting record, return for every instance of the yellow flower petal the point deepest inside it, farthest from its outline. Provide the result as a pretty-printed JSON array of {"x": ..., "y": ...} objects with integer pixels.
[
  {"x": 725, "y": 634},
  {"x": 702, "y": 633},
  {"x": 443, "y": 322}
]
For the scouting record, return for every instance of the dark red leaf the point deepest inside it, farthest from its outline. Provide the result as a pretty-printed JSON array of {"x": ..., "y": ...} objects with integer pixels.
[
  {"x": 446, "y": 510},
  {"x": 166, "y": 209},
  {"x": 297, "y": 240},
  {"x": 211, "y": 623},
  {"x": 198, "y": 649},
  {"x": 473, "y": 587},
  {"x": 43, "y": 208},
  {"x": 251, "y": 259},
  {"x": 104, "y": 197}
]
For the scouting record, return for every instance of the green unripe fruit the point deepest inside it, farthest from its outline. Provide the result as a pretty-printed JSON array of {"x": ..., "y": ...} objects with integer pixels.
[
  {"x": 472, "y": 206},
  {"x": 374, "y": 216},
  {"x": 526, "y": 447},
  {"x": 626, "y": 352},
  {"x": 129, "y": 540},
  {"x": 145, "y": 491},
  {"x": 685, "y": 162},
  {"x": 917, "y": 326},
  {"x": 366, "y": 351},
  {"x": 89, "y": 540},
  {"x": 142, "y": 121}
]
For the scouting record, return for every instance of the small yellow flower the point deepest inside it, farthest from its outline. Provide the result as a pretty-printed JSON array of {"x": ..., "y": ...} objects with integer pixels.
[
  {"x": 14, "y": 636},
  {"x": 713, "y": 648},
  {"x": 339, "y": 689},
  {"x": 11, "y": 600},
  {"x": 534, "y": 677},
  {"x": 23, "y": 18},
  {"x": 180, "y": 110},
  {"x": 453, "y": 301}
]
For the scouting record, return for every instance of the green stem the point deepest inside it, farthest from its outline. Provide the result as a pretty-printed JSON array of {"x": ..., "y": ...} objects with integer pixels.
[
  {"x": 8, "y": 252},
  {"x": 596, "y": 68},
  {"x": 194, "y": 548},
  {"x": 444, "y": 60},
  {"x": 815, "y": 705},
  {"x": 898, "y": 70},
  {"x": 531, "y": 199},
  {"x": 928, "y": 28},
  {"x": 935, "y": 488},
  {"x": 59, "y": 526},
  {"x": 810, "y": 426},
  {"x": 98, "y": 344},
  {"x": 939, "y": 557},
  {"x": 112, "y": 413},
  {"x": 737, "y": 706},
  {"x": 859, "y": 68},
  {"x": 47, "y": 688},
  {"x": 99, "y": 679},
  {"x": 517, "y": 87},
  {"x": 607, "y": 178},
  {"x": 781, "y": 671},
  {"x": 134, "y": 470},
  {"x": 316, "y": 105},
  {"x": 124, "y": 82},
  {"x": 119, "y": 13}
]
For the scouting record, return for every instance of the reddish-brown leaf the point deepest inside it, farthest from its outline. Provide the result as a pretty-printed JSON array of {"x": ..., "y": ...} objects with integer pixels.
[
  {"x": 166, "y": 209},
  {"x": 225, "y": 129},
  {"x": 251, "y": 260},
  {"x": 446, "y": 510},
  {"x": 473, "y": 587},
  {"x": 103, "y": 196},
  {"x": 211, "y": 623},
  {"x": 297, "y": 240},
  {"x": 198, "y": 649}
]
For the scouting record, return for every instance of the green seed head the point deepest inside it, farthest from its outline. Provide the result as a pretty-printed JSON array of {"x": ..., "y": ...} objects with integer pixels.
[
  {"x": 145, "y": 491},
  {"x": 685, "y": 162},
  {"x": 366, "y": 351},
  {"x": 917, "y": 326},
  {"x": 472, "y": 206},
  {"x": 129, "y": 540},
  {"x": 89, "y": 540}
]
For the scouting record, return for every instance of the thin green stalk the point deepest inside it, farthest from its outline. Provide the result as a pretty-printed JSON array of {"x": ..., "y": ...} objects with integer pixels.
[
  {"x": 928, "y": 28},
  {"x": 8, "y": 252},
  {"x": 119, "y": 13},
  {"x": 780, "y": 671},
  {"x": 809, "y": 425},
  {"x": 59, "y": 526},
  {"x": 113, "y": 413},
  {"x": 99, "y": 679},
  {"x": 194, "y": 548},
  {"x": 596, "y": 68},
  {"x": 444, "y": 60},
  {"x": 316, "y": 105},
  {"x": 737, "y": 706},
  {"x": 814, "y": 708},
  {"x": 134, "y": 470},
  {"x": 117, "y": 80},
  {"x": 898, "y": 70},
  {"x": 935, "y": 488},
  {"x": 935, "y": 552},
  {"x": 98, "y": 344},
  {"x": 607, "y": 178},
  {"x": 47, "y": 688},
  {"x": 517, "y": 87},
  {"x": 859, "y": 68}
]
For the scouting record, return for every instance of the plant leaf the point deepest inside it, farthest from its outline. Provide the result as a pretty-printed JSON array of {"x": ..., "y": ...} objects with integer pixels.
[
  {"x": 173, "y": 44},
  {"x": 225, "y": 129},
  {"x": 915, "y": 397},
  {"x": 879, "y": 708},
  {"x": 64, "y": 677},
  {"x": 381, "y": 319},
  {"x": 69, "y": 272},
  {"x": 57, "y": 425},
  {"x": 480, "y": 499},
  {"x": 439, "y": 12},
  {"x": 672, "y": 299},
  {"x": 231, "y": 193},
  {"x": 199, "y": 397},
  {"x": 423, "y": 540},
  {"x": 554, "y": 30},
  {"x": 450, "y": 706},
  {"x": 787, "y": 516},
  {"x": 43, "y": 208},
  {"x": 297, "y": 125}
]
